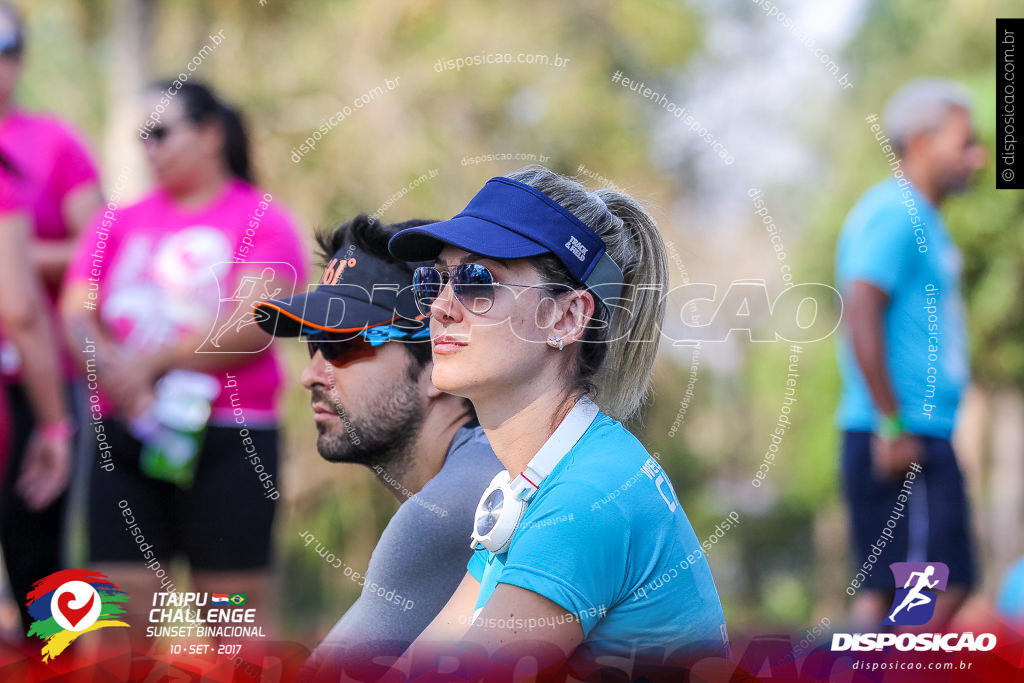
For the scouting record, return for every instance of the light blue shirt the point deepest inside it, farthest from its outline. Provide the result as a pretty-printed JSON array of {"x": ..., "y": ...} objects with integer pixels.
[
  {"x": 896, "y": 240},
  {"x": 606, "y": 539}
]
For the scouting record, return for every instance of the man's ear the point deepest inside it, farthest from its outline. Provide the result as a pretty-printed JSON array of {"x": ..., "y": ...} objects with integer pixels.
[
  {"x": 576, "y": 311},
  {"x": 919, "y": 142}
]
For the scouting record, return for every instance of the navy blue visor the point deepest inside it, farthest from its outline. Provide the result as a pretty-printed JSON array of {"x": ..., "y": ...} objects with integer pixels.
[{"x": 509, "y": 220}]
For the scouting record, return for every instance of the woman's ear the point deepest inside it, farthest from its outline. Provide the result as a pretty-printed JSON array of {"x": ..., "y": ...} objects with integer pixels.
[
  {"x": 576, "y": 311},
  {"x": 212, "y": 138}
]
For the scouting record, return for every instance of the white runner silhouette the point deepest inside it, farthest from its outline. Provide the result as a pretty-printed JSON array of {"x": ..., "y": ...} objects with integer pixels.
[{"x": 915, "y": 597}]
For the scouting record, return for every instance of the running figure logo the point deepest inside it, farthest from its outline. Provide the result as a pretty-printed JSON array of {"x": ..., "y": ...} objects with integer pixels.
[
  {"x": 243, "y": 316},
  {"x": 914, "y": 603},
  {"x": 275, "y": 281}
]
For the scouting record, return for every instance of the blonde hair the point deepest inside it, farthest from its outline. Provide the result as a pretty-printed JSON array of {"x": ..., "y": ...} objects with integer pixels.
[{"x": 614, "y": 369}]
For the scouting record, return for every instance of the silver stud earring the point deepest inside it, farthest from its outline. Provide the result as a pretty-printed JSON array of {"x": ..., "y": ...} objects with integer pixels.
[{"x": 556, "y": 342}]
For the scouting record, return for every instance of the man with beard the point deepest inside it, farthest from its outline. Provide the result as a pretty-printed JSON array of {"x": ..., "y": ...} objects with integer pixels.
[
  {"x": 374, "y": 405},
  {"x": 903, "y": 358}
]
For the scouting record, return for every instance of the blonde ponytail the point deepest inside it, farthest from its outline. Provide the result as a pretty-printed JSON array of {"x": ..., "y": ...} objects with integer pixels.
[{"x": 614, "y": 363}]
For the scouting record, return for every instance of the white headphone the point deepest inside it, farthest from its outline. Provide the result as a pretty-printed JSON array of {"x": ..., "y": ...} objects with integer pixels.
[{"x": 503, "y": 503}]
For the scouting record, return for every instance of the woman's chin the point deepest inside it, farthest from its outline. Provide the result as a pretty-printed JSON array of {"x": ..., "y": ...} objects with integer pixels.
[{"x": 447, "y": 381}]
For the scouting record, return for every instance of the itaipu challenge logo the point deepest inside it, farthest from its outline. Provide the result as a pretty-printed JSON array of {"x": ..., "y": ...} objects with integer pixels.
[{"x": 68, "y": 603}]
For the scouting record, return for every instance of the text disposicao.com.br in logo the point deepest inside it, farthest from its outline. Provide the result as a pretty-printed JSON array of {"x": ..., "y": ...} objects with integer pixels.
[{"x": 69, "y": 603}]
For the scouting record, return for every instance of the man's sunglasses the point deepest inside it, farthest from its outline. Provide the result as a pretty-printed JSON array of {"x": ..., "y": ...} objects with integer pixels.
[
  {"x": 339, "y": 349},
  {"x": 472, "y": 283}
]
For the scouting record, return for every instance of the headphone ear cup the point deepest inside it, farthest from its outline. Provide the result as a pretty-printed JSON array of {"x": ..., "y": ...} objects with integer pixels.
[{"x": 497, "y": 515}]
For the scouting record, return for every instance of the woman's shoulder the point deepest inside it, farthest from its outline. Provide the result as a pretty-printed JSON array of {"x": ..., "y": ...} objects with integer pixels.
[
  {"x": 610, "y": 437},
  {"x": 46, "y": 125},
  {"x": 605, "y": 457},
  {"x": 258, "y": 201},
  {"x": 123, "y": 213},
  {"x": 264, "y": 211}
]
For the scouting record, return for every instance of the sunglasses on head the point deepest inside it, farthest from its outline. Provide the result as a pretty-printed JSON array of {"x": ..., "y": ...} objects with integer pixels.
[
  {"x": 339, "y": 349},
  {"x": 473, "y": 285}
]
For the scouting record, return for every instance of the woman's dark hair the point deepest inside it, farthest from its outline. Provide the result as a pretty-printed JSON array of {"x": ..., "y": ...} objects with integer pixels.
[{"x": 201, "y": 105}]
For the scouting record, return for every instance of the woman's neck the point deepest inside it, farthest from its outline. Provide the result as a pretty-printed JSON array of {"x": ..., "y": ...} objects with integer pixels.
[
  {"x": 201, "y": 192},
  {"x": 518, "y": 423}
]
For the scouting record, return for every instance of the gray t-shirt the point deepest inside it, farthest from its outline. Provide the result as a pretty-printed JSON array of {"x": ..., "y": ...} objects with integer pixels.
[{"x": 420, "y": 559}]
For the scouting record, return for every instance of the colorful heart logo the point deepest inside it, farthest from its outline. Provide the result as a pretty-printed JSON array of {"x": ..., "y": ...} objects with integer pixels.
[{"x": 72, "y": 614}]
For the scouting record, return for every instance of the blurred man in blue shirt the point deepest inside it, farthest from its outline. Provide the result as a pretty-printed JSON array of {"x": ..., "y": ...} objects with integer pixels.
[{"x": 903, "y": 357}]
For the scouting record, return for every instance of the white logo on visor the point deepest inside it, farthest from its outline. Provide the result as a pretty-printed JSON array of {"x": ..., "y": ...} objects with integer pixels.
[{"x": 577, "y": 248}]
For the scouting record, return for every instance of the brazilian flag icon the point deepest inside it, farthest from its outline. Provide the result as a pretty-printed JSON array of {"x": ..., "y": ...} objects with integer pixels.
[{"x": 237, "y": 598}]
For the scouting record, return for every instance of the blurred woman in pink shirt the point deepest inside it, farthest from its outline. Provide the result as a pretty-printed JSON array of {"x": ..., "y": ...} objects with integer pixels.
[{"x": 150, "y": 284}]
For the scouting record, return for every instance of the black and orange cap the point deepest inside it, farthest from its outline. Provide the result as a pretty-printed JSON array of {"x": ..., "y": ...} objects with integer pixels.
[{"x": 357, "y": 291}]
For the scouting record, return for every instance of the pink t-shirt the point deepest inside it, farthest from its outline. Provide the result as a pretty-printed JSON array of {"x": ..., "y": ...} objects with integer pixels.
[
  {"x": 159, "y": 272},
  {"x": 52, "y": 161},
  {"x": 12, "y": 199}
]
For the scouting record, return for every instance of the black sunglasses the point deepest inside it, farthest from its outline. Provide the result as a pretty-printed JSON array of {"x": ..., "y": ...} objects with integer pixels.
[
  {"x": 474, "y": 286},
  {"x": 338, "y": 349},
  {"x": 157, "y": 133}
]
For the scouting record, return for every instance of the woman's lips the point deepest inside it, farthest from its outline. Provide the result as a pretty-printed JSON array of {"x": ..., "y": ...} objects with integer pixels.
[{"x": 446, "y": 344}]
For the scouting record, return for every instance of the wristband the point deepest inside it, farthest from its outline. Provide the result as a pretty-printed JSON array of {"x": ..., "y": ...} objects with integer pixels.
[
  {"x": 889, "y": 427},
  {"x": 58, "y": 431}
]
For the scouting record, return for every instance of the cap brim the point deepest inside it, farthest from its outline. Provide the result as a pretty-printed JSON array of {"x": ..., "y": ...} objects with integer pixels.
[
  {"x": 319, "y": 310},
  {"x": 475, "y": 235}
]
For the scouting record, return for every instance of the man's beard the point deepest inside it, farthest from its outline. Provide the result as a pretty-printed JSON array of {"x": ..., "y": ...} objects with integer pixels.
[
  {"x": 380, "y": 436},
  {"x": 952, "y": 184}
]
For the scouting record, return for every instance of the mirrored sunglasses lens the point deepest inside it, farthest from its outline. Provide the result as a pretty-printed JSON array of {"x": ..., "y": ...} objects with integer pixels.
[
  {"x": 489, "y": 511},
  {"x": 474, "y": 287},
  {"x": 426, "y": 287}
]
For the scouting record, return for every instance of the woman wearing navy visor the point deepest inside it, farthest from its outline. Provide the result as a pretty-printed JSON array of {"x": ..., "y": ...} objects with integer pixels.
[{"x": 582, "y": 545}]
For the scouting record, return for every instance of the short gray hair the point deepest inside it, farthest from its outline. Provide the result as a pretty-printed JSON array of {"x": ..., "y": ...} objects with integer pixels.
[{"x": 922, "y": 105}]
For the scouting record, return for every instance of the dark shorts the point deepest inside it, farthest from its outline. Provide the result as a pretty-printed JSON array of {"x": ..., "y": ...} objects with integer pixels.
[
  {"x": 222, "y": 523},
  {"x": 932, "y": 526}
]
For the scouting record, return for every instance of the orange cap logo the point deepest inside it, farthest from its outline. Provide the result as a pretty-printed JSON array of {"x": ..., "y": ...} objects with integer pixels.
[{"x": 332, "y": 274}]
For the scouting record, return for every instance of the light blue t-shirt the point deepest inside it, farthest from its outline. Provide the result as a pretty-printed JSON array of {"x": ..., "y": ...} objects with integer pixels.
[
  {"x": 896, "y": 240},
  {"x": 606, "y": 539}
]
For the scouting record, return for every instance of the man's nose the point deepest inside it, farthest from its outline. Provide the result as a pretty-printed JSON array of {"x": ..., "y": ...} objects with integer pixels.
[{"x": 314, "y": 372}]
